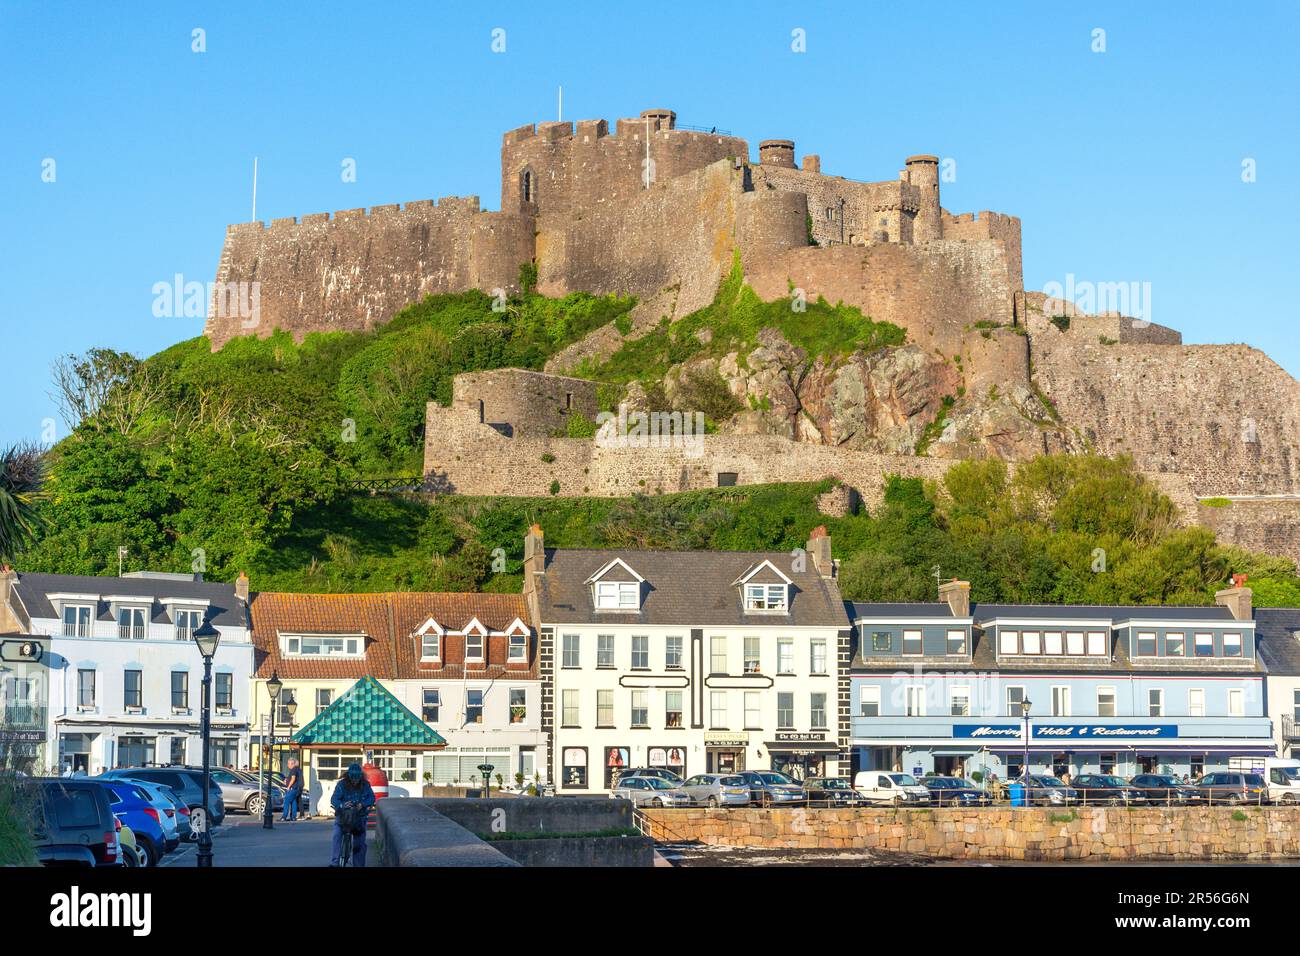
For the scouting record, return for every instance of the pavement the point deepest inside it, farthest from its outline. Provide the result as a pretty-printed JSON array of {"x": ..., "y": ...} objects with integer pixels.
[{"x": 241, "y": 841}]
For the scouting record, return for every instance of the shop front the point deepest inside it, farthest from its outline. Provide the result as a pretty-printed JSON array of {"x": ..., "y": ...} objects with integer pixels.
[
  {"x": 802, "y": 755},
  {"x": 1188, "y": 746},
  {"x": 725, "y": 753}
]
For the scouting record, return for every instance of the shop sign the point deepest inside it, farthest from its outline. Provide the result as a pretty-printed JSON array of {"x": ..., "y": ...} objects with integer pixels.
[
  {"x": 726, "y": 740},
  {"x": 1066, "y": 731},
  {"x": 792, "y": 737}
]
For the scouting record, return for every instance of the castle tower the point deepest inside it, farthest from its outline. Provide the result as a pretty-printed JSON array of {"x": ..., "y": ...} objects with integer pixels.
[
  {"x": 660, "y": 119},
  {"x": 777, "y": 152},
  {"x": 923, "y": 173}
]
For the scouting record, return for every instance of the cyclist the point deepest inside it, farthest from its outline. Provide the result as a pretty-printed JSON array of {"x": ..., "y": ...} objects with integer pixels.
[{"x": 351, "y": 800}]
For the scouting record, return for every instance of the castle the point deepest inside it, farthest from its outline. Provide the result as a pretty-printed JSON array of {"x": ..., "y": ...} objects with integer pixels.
[{"x": 658, "y": 210}]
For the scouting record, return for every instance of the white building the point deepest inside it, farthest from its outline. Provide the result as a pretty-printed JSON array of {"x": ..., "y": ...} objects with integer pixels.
[
  {"x": 692, "y": 661},
  {"x": 125, "y": 676}
]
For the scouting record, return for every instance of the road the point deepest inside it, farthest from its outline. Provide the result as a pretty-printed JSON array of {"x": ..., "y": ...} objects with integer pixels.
[{"x": 241, "y": 841}]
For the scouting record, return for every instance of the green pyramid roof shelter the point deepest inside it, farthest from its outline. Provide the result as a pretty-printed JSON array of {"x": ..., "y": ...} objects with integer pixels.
[{"x": 368, "y": 715}]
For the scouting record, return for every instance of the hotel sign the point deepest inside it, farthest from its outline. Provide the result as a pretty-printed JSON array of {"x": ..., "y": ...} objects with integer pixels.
[{"x": 1066, "y": 731}]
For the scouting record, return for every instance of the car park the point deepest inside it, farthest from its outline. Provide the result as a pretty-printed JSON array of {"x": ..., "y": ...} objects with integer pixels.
[
  {"x": 135, "y": 809},
  {"x": 659, "y": 772},
  {"x": 163, "y": 801},
  {"x": 187, "y": 784},
  {"x": 73, "y": 822},
  {"x": 1233, "y": 787},
  {"x": 243, "y": 795},
  {"x": 955, "y": 792},
  {"x": 1282, "y": 774},
  {"x": 1049, "y": 792},
  {"x": 832, "y": 792},
  {"x": 769, "y": 788},
  {"x": 1108, "y": 789},
  {"x": 717, "y": 790},
  {"x": 1165, "y": 789},
  {"x": 885, "y": 786},
  {"x": 650, "y": 792}
]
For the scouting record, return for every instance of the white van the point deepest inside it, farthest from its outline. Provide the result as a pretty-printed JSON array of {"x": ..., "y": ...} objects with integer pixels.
[
  {"x": 1281, "y": 773},
  {"x": 889, "y": 786}
]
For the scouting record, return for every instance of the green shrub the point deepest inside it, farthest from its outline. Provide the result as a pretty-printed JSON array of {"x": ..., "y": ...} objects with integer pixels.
[{"x": 555, "y": 486}]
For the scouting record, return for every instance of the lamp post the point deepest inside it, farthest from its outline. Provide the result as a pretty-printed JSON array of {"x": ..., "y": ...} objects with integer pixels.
[
  {"x": 273, "y": 687},
  {"x": 1024, "y": 710},
  {"x": 486, "y": 770},
  {"x": 208, "y": 639}
]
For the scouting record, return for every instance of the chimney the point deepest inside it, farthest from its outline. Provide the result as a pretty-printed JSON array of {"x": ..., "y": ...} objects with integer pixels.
[
  {"x": 1236, "y": 598},
  {"x": 819, "y": 549},
  {"x": 241, "y": 587},
  {"x": 534, "y": 557},
  {"x": 957, "y": 594},
  {"x": 8, "y": 619}
]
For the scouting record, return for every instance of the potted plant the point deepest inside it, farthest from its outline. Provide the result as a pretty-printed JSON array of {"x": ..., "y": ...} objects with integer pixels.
[
  {"x": 519, "y": 780},
  {"x": 501, "y": 782}
]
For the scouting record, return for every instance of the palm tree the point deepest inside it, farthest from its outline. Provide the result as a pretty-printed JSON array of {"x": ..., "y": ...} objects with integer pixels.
[{"x": 22, "y": 486}]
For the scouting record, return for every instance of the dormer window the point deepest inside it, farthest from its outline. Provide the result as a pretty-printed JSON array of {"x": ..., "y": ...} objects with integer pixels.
[
  {"x": 324, "y": 645},
  {"x": 431, "y": 646},
  {"x": 766, "y": 597},
  {"x": 473, "y": 645},
  {"x": 187, "y": 622},
  {"x": 131, "y": 623},
  {"x": 618, "y": 595},
  {"x": 76, "y": 620}
]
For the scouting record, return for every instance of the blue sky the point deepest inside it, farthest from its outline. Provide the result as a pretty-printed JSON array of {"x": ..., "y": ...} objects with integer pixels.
[{"x": 1124, "y": 165}]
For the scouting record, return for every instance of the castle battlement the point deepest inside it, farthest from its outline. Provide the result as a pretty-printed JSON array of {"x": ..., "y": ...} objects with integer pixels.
[{"x": 467, "y": 205}]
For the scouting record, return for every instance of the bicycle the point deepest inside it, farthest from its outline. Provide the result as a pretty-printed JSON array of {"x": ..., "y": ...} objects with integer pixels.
[{"x": 346, "y": 818}]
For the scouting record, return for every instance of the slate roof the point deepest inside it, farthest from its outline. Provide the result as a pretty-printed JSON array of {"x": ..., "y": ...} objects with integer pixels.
[
  {"x": 368, "y": 715},
  {"x": 1277, "y": 628},
  {"x": 859, "y": 609},
  {"x": 1113, "y": 612},
  {"x": 686, "y": 588},
  {"x": 32, "y": 590},
  {"x": 389, "y": 621}
]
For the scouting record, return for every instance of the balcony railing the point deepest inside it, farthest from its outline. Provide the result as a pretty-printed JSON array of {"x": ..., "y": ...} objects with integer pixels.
[
  {"x": 23, "y": 717},
  {"x": 131, "y": 632},
  {"x": 1290, "y": 729}
]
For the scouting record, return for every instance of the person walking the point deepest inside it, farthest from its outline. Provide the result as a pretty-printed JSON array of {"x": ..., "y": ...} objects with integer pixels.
[{"x": 292, "y": 791}]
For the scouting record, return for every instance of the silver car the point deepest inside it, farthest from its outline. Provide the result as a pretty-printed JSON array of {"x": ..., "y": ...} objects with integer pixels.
[
  {"x": 240, "y": 794},
  {"x": 717, "y": 789},
  {"x": 650, "y": 792}
]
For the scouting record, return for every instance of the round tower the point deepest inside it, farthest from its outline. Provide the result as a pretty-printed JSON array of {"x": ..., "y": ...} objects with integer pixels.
[
  {"x": 923, "y": 173},
  {"x": 777, "y": 152}
]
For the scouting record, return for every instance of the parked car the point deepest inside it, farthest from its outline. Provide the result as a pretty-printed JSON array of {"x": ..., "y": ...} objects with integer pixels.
[
  {"x": 832, "y": 792},
  {"x": 1282, "y": 774},
  {"x": 772, "y": 788},
  {"x": 74, "y": 823},
  {"x": 135, "y": 809},
  {"x": 955, "y": 791},
  {"x": 717, "y": 789},
  {"x": 1233, "y": 787},
  {"x": 659, "y": 772},
  {"x": 650, "y": 792},
  {"x": 133, "y": 854},
  {"x": 162, "y": 799},
  {"x": 1050, "y": 792},
  {"x": 1160, "y": 788},
  {"x": 188, "y": 785},
  {"x": 887, "y": 786},
  {"x": 1107, "y": 788},
  {"x": 183, "y": 828},
  {"x": 241, "y": 794}
]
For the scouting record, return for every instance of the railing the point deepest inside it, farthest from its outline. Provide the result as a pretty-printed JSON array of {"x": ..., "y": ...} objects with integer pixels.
[
  {"x": 134, "y": 632},
  {"x": 378, "y": 485},
  {"x": 1289, "y": 729},
  {"x": 714, "y": 130},
  {"x": 23, "y": 717}
]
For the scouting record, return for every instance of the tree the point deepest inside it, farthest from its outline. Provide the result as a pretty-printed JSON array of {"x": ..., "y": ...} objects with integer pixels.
[
  {"x": 113, "y": 389},
  {"x": 22, "y": 488}
]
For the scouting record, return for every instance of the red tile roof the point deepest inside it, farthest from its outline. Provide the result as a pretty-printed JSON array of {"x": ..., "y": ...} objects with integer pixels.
[{"x": 389, "y": 622}]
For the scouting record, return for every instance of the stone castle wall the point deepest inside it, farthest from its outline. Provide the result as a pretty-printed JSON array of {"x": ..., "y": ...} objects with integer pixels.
[
  {"x": 1093, "y": 834},
  {"x": 1266, "y": 525},
  {"x": 1225, "y": 416},
  {"x": 523, "y": 404},
  {"x": 357, "y": 268}
]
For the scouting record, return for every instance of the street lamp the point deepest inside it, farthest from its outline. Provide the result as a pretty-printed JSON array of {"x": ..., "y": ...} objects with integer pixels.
[
  {"x": 1024, "y": 710},
  {"x": 208, "y": 638},
  {"x": 273, "y": 687}
]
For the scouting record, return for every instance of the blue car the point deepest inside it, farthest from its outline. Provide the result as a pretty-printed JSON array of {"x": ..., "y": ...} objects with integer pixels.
[{"x": 136, "y": 810}]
